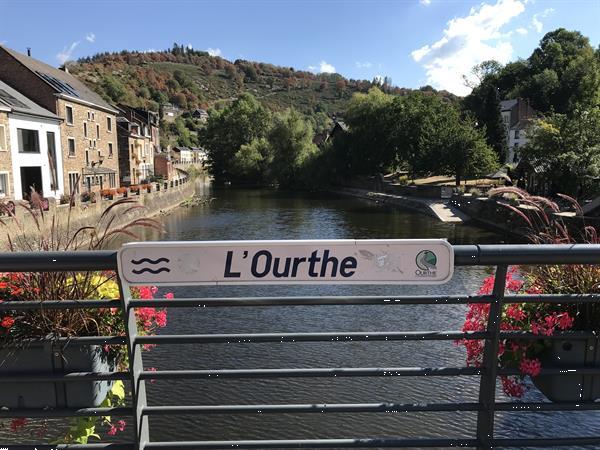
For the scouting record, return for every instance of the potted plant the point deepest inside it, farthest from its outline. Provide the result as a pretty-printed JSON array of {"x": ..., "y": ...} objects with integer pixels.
[
  {"x": 147, "y": 188},
  {"x": 134, "y": 189},
  {"x": 122, "y": 191},
  {"x": 544, "y": 319},
  {"x": 28, "y": 339},
  {"x": 108, "y": 194}
]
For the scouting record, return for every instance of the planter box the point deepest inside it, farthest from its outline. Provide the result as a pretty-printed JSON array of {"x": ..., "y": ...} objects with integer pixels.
[
  {"x": 48, "y": 358},
  {"x": 570, "y": 388}
]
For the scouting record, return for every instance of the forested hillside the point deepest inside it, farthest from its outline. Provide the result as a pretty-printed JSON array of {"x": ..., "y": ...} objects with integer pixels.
[{"x": 190, "y": 78}]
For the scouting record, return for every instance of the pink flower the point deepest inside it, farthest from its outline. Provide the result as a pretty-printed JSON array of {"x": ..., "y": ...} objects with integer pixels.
[
  {"x": 515, "y": 312},
  {"x": 565, "y": 321},
  {"x": 512, "y": 386},
  {"x": 153, "y": 289},
  {"x": 531, "y": 367},
  {"x": 169, "y": 296},
  {"x": 7, "y": 322},
  {"x": 112, "y": 431},
  {"x": 121, "y": 425},
  {"x": 17, "y": 424}
]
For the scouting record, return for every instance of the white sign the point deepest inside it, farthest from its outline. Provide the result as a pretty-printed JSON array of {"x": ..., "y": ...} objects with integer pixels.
[{"x": 372, "y": 261}]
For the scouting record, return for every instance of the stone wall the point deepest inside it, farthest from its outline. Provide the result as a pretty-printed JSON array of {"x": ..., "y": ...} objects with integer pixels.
[
  {"x": 162, "y": 197},
  {"x": 5, "y": 153}
]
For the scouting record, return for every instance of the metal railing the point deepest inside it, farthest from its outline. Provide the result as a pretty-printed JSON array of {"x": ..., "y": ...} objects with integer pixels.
[{"x": 465, "y": 255}]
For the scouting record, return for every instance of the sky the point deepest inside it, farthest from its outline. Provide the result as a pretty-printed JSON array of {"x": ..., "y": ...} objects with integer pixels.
[{"x": 415, "y": 42}]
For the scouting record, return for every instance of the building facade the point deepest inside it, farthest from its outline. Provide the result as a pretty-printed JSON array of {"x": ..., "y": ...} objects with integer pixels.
[
  {"x": 29, "y": 144},
  {"x": 88, "y": 135},
  {"x": 516, "y": 116}
]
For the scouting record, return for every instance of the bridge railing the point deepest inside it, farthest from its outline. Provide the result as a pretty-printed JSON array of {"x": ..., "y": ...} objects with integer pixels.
[{"x": 486, "y": 407}]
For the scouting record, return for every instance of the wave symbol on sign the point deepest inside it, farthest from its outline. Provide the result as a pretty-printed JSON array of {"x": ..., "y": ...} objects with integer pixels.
[{"x": 158, "y": 270}]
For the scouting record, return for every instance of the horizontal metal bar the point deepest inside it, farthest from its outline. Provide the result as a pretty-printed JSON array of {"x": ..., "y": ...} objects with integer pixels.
[
  {"x": 65, "y": 412},
  {"x": 310, "y": 373},
  {"x": 546, "y": 442},
  {"x": 58, "y": 304},
  {"x": 354, "y": 336},
  {"x": 73, "y": 447},
  {"x": 81, "y": 261},
  {"x": 464, "y": 255},
  {"x": 308, "y": 301},
  {"x": 81, "y": 341},
  {"x": 314, "y": 443},
  {"x": 553, "y": 298},
  {"x": 62, "y": 377},
  {"x": 557, "y": 335},
  {"x": 515, "y": 254},
  {"x": 540, "y": 407},
  {"x": 311, "y": 408},
  {"x": 556, "y": 371}
]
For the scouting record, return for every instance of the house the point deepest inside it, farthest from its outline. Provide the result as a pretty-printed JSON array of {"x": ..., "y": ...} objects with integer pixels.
[
  {"x": 182, "y": 155},
  {"x": 88, "y": 135},
  {"x": 138, "y": 138},
  {"x": 200, "y": 114},
  {"x": 199, "y": 155},
  {"x": 163, "y": 167},
  {"x": 170, "y": 112},
  {"x": 29, "y": 144},
  {"x": 516, "y": 116}
]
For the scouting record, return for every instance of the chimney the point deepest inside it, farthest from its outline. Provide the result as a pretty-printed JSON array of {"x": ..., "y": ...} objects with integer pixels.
[{"x": 29, "y": 51}]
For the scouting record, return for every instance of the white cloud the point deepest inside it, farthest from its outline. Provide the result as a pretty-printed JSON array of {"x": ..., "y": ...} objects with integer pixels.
[
  {"x": 536, "y": 23},
  {"x": 364, "y": 65},
  {"x": 214, "y": 51},
  {"x": 90, "y": 37},
  {"x": 522, "y": 31},
  {"x": 323, "y": 67},
  {"x": 467, "y": 41},
  {"x": 425, "y": 2},
  {"x": 66, "y": 53}
]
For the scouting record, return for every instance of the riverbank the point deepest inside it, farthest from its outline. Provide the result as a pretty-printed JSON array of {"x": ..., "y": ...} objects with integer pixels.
[
  {"x": 158, "y": 199},
  {"x": 438, "y": 209}
]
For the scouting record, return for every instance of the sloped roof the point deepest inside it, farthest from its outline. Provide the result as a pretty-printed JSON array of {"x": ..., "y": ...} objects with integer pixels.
[
  {"x": 505, "y": 105},
  {"x": 63, "y": 83},
  {"x": 17, "y": 102}
]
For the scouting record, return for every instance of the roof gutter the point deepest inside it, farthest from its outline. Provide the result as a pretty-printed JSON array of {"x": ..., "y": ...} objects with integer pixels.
[{"x": 84, "y": 102}]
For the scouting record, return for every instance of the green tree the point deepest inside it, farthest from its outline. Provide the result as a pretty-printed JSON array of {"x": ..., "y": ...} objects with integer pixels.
[
  {"x": 570, "y": 148},
  {"x": 229, "y": 129},
  {"x": 113, "y": 88}
]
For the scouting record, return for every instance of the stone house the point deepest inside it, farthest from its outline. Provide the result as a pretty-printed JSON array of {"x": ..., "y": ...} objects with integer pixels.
[
  {"x": 139, "y": 142},
  {"x": 88, "y": 126},
  {"x": 29, "y": 139},
  {"x": 516, "y": 116}
]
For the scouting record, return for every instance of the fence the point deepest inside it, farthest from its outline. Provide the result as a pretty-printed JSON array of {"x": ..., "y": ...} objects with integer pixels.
[{"x": 465, "y": 255}]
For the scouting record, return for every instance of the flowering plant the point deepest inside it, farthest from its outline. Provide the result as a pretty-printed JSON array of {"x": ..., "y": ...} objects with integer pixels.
[{"x": 542, "y": 319}]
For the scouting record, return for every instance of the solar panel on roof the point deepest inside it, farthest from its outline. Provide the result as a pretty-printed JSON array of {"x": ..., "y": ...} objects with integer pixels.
[
  {"x": 59, "y": 85},
  {"x": 12, "y": 101}
]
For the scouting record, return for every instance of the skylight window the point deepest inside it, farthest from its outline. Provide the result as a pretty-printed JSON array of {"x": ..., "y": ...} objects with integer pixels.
[{"x": 59, "y": 85}]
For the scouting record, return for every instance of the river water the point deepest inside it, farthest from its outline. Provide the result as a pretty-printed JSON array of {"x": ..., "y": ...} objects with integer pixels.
[{"x": 261, "y": 214}]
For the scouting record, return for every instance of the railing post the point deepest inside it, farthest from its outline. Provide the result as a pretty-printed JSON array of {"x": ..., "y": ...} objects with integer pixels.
[
  {"x": 136, "y": 366},
  {"x": 487, "y": 385}
]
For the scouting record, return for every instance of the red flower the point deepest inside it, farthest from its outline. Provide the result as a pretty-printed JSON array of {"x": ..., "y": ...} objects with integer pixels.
[
  {"x": 169, "y": 295},
  {"x": 7, "y": 322},
  {"x": 17, "y": 424},
  {"x": 531, "y": 367}
]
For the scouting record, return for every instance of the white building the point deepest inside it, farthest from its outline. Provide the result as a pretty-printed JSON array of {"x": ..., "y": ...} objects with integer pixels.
[
  {"x": 516, "y": 116},
  {"x": 35, "y": 151}
]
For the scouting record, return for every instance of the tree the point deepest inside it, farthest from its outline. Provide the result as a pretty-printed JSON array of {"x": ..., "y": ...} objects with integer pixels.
[
  {"x": 228, "y": 130},
  {"x": 570, "y": 148}
]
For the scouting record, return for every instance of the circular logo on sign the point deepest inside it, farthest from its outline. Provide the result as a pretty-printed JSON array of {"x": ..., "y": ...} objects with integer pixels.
[{"x": 426, "y": 260}]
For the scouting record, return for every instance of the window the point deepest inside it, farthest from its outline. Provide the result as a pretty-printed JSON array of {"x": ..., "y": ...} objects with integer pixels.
[
  {"x": 69, "y": 110},
  {"x": 52, "y": 160},
  {"x": 109, "y": 124},
  {"x": 112, "y": 180},
  {"x": 98, "y": 131},
  {"x": 85, "y": 128},
  {"x": 3, "y": 146},
  {"x": 73, "y": 183},
  {"x": 516, "y": 134},
  {"x": 94, "y": 143},
  {"x": 89, "y": 116},
  {"x": 93, "y": 117},
  {"x": 87, "y": 157},
  {"x": 29, "y": 140},
  {"x": 110, "y": 150},
  {"x": 3, "y": 184},
  {"x": 71, "y": 142}
]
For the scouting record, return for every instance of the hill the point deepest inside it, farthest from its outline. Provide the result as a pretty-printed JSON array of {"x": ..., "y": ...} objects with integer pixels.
[{"x": 190, "y": 78}]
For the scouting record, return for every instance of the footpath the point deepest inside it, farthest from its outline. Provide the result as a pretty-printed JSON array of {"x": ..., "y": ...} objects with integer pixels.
[{"x": 436, "y": 208}]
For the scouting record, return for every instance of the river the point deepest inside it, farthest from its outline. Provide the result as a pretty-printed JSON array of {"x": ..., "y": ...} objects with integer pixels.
[{"x": 262, "y": 214}]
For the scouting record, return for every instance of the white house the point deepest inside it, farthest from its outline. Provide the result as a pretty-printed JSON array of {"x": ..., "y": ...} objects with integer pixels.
[
  {"x": 516, "y": 116},
  {"x": 35, "y": 151}
]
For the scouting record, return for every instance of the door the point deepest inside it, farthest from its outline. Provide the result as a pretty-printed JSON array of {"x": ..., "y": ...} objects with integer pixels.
[{"x": 31, "y": 178}]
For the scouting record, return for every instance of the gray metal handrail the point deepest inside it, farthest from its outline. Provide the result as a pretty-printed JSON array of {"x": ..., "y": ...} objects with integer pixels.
[{"x": 465, "y": 255}]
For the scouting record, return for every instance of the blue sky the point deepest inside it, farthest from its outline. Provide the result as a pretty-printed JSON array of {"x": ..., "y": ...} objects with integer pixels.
[{"x": 415, "y": 42}]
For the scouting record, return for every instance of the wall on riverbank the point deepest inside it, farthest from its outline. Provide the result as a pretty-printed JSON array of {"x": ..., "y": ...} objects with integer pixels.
[{"x": 147, "y": 204}]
